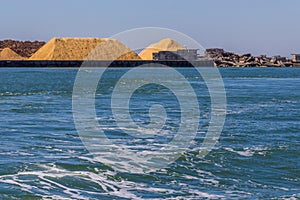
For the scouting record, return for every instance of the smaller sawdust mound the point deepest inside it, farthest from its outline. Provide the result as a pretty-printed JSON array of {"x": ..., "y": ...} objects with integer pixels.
[
  {"x": 163, "y": 45},
  {"x": 81, "y": 48},
  {"x": 8, "y": 54}
]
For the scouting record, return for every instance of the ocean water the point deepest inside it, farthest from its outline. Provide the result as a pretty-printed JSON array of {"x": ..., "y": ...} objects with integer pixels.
[{"x": 257, "y": 156}]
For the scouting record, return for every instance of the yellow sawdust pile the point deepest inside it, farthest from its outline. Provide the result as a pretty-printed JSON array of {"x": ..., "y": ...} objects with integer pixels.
[
  {"x": 8, "y": 54},
  {"x": 80, "y": 48},
  {"x": 112, "y": 49},
  {"x": 163, "y": 45}
]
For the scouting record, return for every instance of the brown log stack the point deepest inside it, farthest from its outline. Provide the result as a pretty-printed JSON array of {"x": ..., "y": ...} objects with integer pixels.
[{"x": 22, "y": 48}]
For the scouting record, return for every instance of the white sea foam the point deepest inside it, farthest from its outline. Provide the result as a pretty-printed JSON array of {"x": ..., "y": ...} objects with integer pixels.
[
  {"x": 50, "y": 172},
  {"x": 120, "y": 188},
  {"x": 249, "y": 151}
]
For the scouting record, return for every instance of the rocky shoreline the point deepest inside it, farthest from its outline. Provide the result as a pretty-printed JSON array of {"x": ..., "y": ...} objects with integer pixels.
[{"x": 223, "y": 58}]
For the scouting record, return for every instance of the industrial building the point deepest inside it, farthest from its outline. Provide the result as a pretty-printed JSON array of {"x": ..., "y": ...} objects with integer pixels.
[
  {"x": 296, "y": 60},
  {"x": 182, "y": 54}
]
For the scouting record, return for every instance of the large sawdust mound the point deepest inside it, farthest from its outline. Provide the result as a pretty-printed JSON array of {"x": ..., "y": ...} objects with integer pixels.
[
  {"x": 163, "y": 45},
  {"x": 79, "y": 49},
  {"x": 8, "y": 54}
]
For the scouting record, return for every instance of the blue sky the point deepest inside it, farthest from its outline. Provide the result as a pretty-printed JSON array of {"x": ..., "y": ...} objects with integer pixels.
[{"x": 256, "y": 26}]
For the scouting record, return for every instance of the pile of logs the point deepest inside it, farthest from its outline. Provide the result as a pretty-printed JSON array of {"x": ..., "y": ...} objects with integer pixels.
[
  {"x": 23, "y": 48},
  {"x": 222, "y": 58}
]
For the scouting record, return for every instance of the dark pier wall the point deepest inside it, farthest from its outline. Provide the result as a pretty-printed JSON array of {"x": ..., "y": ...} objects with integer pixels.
[
  {"x": 296, "y": 64},
  {"x": 104, "y": 63}
]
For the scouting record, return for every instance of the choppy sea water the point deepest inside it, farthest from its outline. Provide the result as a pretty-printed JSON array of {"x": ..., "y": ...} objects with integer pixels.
[{"x": 257, "y": 157}]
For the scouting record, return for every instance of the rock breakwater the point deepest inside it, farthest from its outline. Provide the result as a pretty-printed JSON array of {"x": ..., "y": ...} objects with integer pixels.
[{"x": 223, "y": 58}]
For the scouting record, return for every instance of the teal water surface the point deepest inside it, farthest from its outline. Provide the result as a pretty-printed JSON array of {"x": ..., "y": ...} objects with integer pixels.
[{"x": 257, "y": 157}]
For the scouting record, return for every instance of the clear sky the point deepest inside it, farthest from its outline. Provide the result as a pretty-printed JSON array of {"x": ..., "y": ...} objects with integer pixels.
[{"x": 256, "y": 26}]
